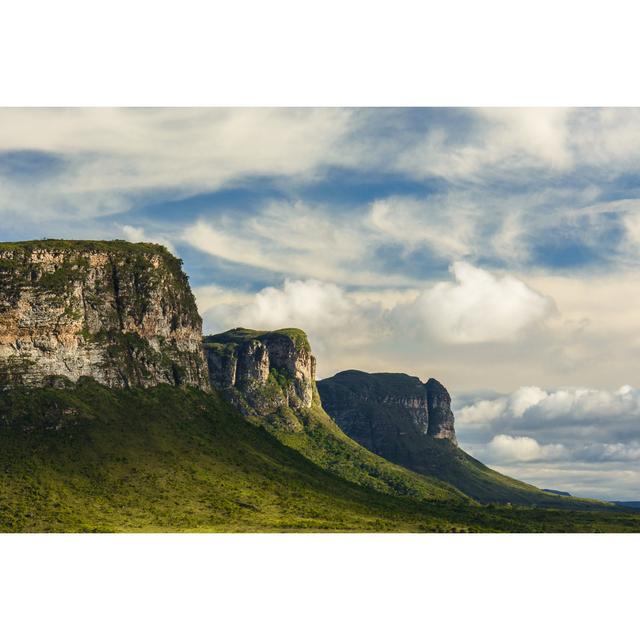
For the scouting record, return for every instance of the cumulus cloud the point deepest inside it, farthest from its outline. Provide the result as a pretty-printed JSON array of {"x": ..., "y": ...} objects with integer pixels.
[
  {"x": 522, "y": 448},
  {"x": 586, "y": 441},
  {"x": 480, "y": 307},
  {"x": 533, "y": 406},
  {"x": 333, "y": 314},
  {"x": 337, "y": 322},
  {"x": 316, "y": 306}
]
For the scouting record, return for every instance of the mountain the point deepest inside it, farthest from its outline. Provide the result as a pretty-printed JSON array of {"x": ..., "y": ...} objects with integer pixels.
[
  {"x": 269, "y": 376},
  {"x": 629, "y": 504},
  {"x": 118, "y": 312},
  {"x": 108, "y": 420},
  {"x": 410, "y": 423}
]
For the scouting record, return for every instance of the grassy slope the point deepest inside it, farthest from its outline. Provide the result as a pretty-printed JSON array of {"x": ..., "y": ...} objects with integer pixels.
[
  {"x": 451, "y": 464},
  {"x": 318, "y": 438},
  {"x": 166, "y": 459},
  {"x": 437, "y": 458}
]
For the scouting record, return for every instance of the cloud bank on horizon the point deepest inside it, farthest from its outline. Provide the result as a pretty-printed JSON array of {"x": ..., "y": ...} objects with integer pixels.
[{"x": 495, "y": 249}]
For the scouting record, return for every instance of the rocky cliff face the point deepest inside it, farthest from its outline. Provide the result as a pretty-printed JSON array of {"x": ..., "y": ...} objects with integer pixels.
[
  {"x": 261, "y": 372},
  {"x": 118, "y": 312},
  {"x": 391, "y": 414},
  {"x": 441, "y": 421}
]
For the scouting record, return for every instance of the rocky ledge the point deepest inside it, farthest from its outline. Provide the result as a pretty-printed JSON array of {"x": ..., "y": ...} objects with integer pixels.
[
  {"x": 118, "y": 312},
  {"x": 261, "y": 372}
]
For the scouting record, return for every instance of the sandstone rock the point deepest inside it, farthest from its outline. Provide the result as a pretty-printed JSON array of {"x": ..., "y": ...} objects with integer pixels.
[
  {"x": 118, "y": 312},
  {"x": 262, "y": 371}
]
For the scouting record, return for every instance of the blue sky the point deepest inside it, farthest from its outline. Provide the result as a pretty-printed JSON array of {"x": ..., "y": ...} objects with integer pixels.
[{"x": 494, "y": 249}]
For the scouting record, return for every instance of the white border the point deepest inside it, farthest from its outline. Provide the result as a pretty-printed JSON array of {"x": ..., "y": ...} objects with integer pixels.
[
  {"x": 335, "y": 52},
  {"x": 319, "y": 586}
]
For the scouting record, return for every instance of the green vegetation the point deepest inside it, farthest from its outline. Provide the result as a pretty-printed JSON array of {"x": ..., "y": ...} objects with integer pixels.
[
  {"x": 360, "y": 403},
  {"x": 240, "y": 335},
  {"x": 443, "y": 460},
  {"x": 320, "y": 440},
  {"x": 89, "y": 246},
  {"x": 129, "y": 261},
  {"x": 87, "y": 458}
]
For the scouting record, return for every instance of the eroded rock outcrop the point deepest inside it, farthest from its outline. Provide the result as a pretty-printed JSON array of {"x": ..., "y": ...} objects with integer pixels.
[
  {"x": 392, "y": 414},
  {"x": 118, "y": 312},
  {"x": 261, "y": 372},
  {"x": 441, "y": 420}
]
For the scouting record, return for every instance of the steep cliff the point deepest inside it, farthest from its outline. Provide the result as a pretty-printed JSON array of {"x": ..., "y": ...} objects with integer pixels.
[
  {"x": 441, "y": 420},
  {"x": 118, "y": 312},
  {"x": 411, "y": 424},
  {"x": 389, "y": 413},
  {"x": 270, "y": 377},
  {"x": 262, "y": 372}
]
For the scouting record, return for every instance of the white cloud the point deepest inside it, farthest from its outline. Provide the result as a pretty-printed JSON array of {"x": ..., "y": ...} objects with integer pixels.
[
  {"x": 502, "y": 139},
  {"x": 414, "y": 222},
  {"x": 111, "y": 156},
  {"x": 212, "y": 298},
  {"x": 522, "y": 448},
  {"x": 298, "y": 241},
  {"x": 524, "y": 398},
  {"x": 482, "y": 412},
  {"x": 540, "y": 133},
  {"x": 316, "y": 306},
  {"x": 533, "y": 406},
  {"x": 336, "y": 321},
  {"x": 480, "y": 307}
]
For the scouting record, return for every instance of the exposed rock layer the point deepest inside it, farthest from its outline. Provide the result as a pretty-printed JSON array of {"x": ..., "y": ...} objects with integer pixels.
[
  {"x": 261, "y": 372},
  {"x": 118, "y": 312},
  {"x": 392, "y": 414}
]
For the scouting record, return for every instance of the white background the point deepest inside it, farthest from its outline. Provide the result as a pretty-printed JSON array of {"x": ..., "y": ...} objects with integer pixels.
[{"x": 318, "y": 53}]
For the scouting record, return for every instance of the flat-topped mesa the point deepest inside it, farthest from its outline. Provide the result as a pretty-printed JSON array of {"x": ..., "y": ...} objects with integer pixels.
[
  {"x": 262, "y": 371},
  {"x": 118, "y": 312},
  {"x": 389, "y": 413}
]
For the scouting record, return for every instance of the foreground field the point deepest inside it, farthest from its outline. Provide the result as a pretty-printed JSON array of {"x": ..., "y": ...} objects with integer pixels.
[{"x": 87, "y": 458}]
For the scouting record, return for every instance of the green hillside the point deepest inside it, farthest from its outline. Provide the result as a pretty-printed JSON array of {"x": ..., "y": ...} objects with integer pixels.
[
  {"x": 369, "y": 408},
  {"x": 87, "y": 458},
  {"x": 309, "y": 430},
  {"x": 319, "y": 439}
]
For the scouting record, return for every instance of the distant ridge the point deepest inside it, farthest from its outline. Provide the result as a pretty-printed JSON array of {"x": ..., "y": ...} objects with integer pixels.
[{"x": 629, "y": 504}]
